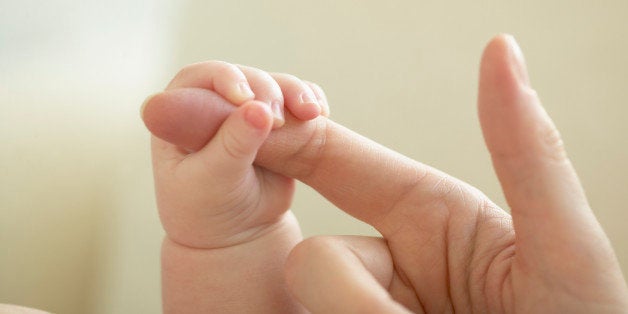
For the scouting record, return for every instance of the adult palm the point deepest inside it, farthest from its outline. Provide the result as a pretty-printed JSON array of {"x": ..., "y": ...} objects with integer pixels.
[{"x": 445, "y": 246}]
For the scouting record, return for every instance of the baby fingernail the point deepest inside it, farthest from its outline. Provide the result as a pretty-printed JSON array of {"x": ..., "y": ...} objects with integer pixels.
[
  {"x": 277, "y": 110},
  {"x": 245, "y": 90},
  {"x": 255, "y": 119},
  {"x": 307, "y": 98}
]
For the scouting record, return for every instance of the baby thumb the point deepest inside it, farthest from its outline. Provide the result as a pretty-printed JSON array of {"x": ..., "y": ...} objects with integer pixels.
[{"x": 232, "y": 150}]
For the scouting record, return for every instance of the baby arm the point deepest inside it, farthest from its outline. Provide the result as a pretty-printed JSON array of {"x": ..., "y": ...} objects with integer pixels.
[{"x": 227, "y": 222}]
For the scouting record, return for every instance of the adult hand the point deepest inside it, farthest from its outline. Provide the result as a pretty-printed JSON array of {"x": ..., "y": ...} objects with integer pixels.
[{"x": 445, "y": 246}]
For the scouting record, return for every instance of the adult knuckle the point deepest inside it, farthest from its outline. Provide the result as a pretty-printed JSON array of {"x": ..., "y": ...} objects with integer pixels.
[
  {"x": 306, "y": 159},
  {"x": 552, "y": 144}
]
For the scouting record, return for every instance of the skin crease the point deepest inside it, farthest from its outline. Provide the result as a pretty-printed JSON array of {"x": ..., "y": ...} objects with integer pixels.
[
  {"x": 218, "y": 209},
  {"x": 445, "y": 246}
]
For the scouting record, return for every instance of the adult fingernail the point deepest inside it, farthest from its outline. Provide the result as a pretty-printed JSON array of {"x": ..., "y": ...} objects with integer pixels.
[
  {"x": 517, "y": 61},
  {"x": 245, "y": 90}
]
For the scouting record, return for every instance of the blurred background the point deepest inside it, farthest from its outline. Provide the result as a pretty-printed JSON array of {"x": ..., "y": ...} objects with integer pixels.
[{"x": 79, "y": 231}]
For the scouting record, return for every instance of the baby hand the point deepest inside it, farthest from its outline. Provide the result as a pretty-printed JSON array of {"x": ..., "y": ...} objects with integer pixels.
[{"x": 212, "y": 196}]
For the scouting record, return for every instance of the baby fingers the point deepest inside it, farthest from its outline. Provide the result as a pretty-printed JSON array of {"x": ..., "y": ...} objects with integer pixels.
[
  {"x": 299, "y": 97},
  {"x": 238, "y": 84},
  {"x": 224, "y": 78},
  {"x": 231, "y": 152}
]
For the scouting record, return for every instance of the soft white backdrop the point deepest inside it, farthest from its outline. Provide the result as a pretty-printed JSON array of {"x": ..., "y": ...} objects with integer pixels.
[{"x": 78, "y": 228}]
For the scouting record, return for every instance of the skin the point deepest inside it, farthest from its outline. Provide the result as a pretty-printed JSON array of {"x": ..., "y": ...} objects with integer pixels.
[
  {"x": 445, "y": 246},
  {"x": 228, "y": 229}
]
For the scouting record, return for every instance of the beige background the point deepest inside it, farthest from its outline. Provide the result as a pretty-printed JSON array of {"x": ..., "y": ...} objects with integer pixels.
[{"x": 78, "y": 227}]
